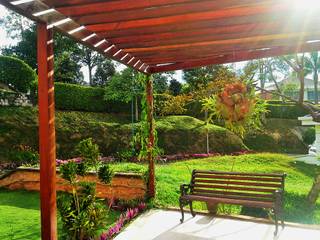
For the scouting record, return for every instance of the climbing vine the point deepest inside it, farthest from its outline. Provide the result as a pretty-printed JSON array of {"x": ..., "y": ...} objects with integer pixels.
[{"x": 142, "y": 136}]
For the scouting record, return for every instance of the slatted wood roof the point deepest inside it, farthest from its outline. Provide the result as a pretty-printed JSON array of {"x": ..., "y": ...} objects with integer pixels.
[{"x": 164, "y": 35}]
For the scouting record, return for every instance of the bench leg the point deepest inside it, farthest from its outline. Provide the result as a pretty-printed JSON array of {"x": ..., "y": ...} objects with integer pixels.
[
  {"x": 282, "y": 218},
  {"x": 276, "y": 222},
  {"x": 182, "y": 210},
  {"x": 191, "y": 209}
]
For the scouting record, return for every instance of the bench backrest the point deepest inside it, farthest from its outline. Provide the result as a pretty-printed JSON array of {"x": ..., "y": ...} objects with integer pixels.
[{"x": 246, "y": 186}]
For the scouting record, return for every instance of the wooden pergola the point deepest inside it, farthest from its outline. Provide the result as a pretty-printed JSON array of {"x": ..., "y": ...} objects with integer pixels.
[{"x": 157, "y": 36}]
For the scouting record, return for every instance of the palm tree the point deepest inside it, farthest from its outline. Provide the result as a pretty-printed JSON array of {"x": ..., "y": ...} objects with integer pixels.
[{"x": 313, "y": 66}]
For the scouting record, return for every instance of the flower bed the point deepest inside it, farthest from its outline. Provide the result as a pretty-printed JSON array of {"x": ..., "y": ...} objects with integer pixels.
[{"x": 124, "y": 219}]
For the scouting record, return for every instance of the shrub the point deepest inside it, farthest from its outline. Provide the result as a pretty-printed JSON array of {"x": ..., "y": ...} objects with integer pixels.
[
  {"x": 89, "y": 152},
  {"x": 16, "y": 74},
  {"x": 105, "y": 174},
  {"x": 309, "y": 136},
  {"x": 25, "y": 155}
]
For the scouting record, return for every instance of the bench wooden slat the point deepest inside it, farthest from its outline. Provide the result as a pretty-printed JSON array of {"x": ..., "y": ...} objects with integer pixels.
[
  {"x": 240, "y": 173},
  {"x": 212, "y": 176},
  {"x": 271, "y": 185},
  {"x": 212, "y": 186},
  {"x": 224, "y": 193}
]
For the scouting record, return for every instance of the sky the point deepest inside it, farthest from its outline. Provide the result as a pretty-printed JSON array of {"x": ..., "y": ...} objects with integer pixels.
[{"x": 5, "y": 41}]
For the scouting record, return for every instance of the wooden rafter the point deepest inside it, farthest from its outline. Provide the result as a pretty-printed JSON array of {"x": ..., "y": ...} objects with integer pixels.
[{"x": 171, "y": 34}]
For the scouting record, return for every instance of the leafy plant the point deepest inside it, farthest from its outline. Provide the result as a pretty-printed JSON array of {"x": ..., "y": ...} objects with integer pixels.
[
  {"x": 105, "y": 174},
  {"x": 239, "y": 108},
  {"x": 125, "y": 155},
  {"x": 25, "y": 155},
  {"x": 89, "y": 152},
  {"x": 81, "y": 213}
]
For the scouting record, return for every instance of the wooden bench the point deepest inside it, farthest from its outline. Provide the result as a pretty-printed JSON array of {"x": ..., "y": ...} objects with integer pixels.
[{"x": 246, "y": 189}]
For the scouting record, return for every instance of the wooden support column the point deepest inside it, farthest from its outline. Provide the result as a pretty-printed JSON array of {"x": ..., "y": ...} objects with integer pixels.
[
  {"x": 151, "y": 140},
  {"x": 47, "y": 141}
]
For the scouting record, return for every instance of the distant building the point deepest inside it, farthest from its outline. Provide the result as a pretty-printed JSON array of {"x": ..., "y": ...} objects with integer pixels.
[{"x": 291, "y": 86}]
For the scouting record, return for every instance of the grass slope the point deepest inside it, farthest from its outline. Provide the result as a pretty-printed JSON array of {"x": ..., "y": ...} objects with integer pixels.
[
  {"x": 298, "y": 182},
  {"x": 112, "y": 132}
]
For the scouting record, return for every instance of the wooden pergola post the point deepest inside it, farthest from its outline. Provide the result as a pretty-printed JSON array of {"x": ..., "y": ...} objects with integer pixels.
[
  {"x": 47, "y": 141},
  {"x": 151, "y": 138}
]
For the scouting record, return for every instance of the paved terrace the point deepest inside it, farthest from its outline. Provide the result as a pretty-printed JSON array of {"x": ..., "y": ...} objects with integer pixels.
[{"x": 165, "y": 225}]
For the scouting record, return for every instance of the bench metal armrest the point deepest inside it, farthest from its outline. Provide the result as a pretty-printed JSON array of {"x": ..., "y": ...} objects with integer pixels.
[{"x": 185, "y": 189}]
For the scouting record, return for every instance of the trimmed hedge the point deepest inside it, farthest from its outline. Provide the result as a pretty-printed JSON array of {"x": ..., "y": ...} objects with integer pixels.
[
  {"x": 286, "y": 111},
  {"x": 16, "y": 73},
  {"x": 83, "y": 98},
  {"x": 91, "y": 99}
]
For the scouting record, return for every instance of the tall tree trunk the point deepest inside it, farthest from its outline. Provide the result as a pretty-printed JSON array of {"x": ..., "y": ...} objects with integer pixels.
[
  {"x": 301, "y": 91},
  {"x": 315, "y": 191},
  {"x": 315, "y": 81},
  {"x": 151, "y": 139},
  {"x": 261, "y": 75},
  {"x": 90, "y": 75},
  {"x": 207, "y": 131},
  {"x": 136, "y": 109}
]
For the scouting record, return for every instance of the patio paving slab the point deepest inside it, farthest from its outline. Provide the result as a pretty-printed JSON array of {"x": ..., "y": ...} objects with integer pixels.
[{"x": 165, "y": 225}]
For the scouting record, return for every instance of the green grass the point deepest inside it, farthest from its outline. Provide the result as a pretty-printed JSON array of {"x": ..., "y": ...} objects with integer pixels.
[
  {"x": 20, "y": 215},
  {"x": 298, "y": 182}
]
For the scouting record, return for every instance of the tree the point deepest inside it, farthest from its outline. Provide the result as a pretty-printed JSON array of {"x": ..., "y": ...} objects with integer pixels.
[
  {"x": 200, "y": 77},
  {"x": 160, "y": 82},
  {"x": 26, "y": 48},
  {"x": 297, "y": 64},
  {"x": 104, "y": 72},
  {"x": 15, "y": 24},
  {"x": 175, "y": 87},
  {"x": 67, "y": 70},
  {"x": 90, "y": 59},
  {"x": 313, "y": 66},
  {"x": 125, "y": 87}
]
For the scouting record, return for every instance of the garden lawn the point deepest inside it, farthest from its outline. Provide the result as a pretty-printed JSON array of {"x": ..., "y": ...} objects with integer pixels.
[
  {"x": 20, "y": 215},
  {"x": 298, "y": 182}
]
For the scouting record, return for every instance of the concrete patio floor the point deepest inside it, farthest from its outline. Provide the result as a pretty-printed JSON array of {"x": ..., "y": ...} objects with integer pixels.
[{"x": 165, "y": 225}]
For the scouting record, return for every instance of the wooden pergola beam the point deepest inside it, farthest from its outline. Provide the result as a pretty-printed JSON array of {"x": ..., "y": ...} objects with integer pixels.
[
  {"x": 237, "y": 56},
  {"x": 156, "y": 12},
  {"x": 47, "y": 140},
  {"x": 189, "y": 17}
]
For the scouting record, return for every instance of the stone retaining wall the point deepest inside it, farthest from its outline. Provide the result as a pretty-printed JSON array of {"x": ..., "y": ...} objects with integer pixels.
[{"x": 126, "y": 186}]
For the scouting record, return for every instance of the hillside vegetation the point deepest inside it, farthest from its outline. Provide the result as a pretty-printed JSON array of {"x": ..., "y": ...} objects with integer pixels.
[
  {"x": 279, "y": 135},
  {"x": 112, "y": 132}
]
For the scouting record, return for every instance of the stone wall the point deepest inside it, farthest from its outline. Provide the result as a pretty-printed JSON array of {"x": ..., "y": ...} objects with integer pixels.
[
  {"x": 8, "y": 98},
  {"x": 125, "y": 186}
]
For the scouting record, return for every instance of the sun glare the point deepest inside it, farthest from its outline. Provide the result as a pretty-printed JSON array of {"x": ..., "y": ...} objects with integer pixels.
[{"x": 307, "y": 4}]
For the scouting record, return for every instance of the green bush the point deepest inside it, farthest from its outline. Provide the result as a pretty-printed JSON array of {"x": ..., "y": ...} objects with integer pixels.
[
  {"x": 16, "y": 74},
  {"x": 286, "y": 111},
  {"x": 309, "y": 136}
]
